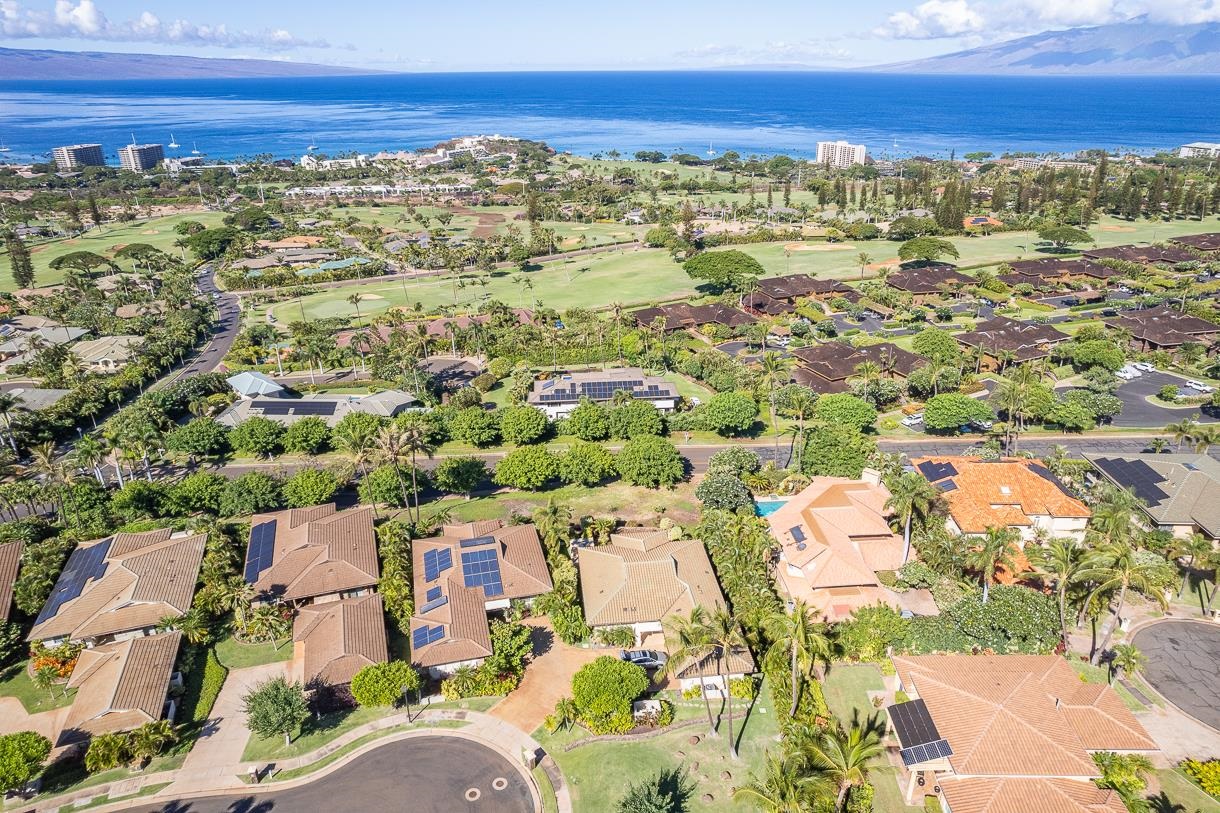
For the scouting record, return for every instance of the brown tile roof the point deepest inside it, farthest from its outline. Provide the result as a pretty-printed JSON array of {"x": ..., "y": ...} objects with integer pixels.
[
  {"x": 1020, "y": 715},
  {"x": 928, "y": 279},
  {"x": 459, "y": 610},
  {"x": 317, "y": 551},
  {"x": 1199, "y": 242},
  {"x": 1141, "y": 254},
  {"x": 1026, "y": 795},
  {"x": 999, "y": 493},
  {"x": 798, "y": 285},
  {"x": 132, "y": 582},
  {"x": 1026, "y": 339},
  {"x": 121, "y": 685},
  {"x": 1051, "y": 267},
  {"x": 1164, "y": 327},
  {"x": 10, "y": 561},
  {"x": 341, "y": 637},
  {"x": 740, "y": 662},
  {"x": 643, "y": 576},
  {"x": 684, "y": 315},
  {"x": 837, "y": 361}
]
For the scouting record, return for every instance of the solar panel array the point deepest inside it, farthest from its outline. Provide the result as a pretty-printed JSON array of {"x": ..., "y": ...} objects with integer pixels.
[
  {"x": 436, "y": 562},
  {"x": 282, "y": 407},
  {"x": 797, "y": 533},
  {"x": 433, "y": 604},
  {"x": 260, "y": 552},
  {"x": 925, "y": 753},
  {"x": 1135, "y": 475},
  {"x": 603, "y": 390},
  {"x": 946, "y": 486},
  {"x": 936, "y": 471},
  {"x": 1045, "y": 474},
  {"x": 477, "y": 541},
  {"x": 481, "y": 568},
  {"x": 425, "y": 635},
  {"x": 83, "y": 565},
  {"x": 433, "y": 593}
]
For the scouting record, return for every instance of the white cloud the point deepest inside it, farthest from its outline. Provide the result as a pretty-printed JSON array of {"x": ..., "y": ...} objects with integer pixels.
[
  {"x": 934, "y": 19},
  {"x": 83, "y": 20}
]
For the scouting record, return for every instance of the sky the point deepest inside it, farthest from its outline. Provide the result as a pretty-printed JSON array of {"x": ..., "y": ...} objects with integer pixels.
[{"x": 479, "y": 35}]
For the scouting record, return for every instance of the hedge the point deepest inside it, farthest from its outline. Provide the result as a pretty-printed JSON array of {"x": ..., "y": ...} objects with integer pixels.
[{"x": 203, "y": 687}]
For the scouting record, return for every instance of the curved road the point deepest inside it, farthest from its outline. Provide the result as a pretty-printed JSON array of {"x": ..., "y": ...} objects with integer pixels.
[
  {"x": 431, "y": 774},
  {"x": 1183, "y": 661},
  {"x": 228, "y": 324}
]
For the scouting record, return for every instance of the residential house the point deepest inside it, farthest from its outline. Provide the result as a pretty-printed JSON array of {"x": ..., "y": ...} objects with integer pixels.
[
  {"x": 1143, "y": 255},
  {"x": 255, "y": 385},
  {"x": 306, "y": 556},
  {"x": 157, "y": 307},
  {"x": 559, "y": 396},
  {"x": 683, "y": 316},
  {"x": 1179, "y": 493},
  {"x": 1199, "y": 242},
  {"x": 1164, "y": 328},
  {"x": 122, "y": 685},
  {"x": 121, "y": 587},
  {"x": 1054, "y": 272},
  {"x": 461, "y": 576},
  {"x": 23, "y": 343},
  {"x": 289, "y": 243},
  {"x": 778, "y": 295},
  {"x": 1001, "y": 340},
  {"x": 36, "y": 399},
  {"x": 334, "y": 640},
  {"x": 930, "y": 281},
  {"x": 10, "y": 563},
  {"x": 1000, "y": 733},
  {"x": 641, "y": 580},
  {"x": 331, "y": 408},
  {"x": 1010, "y": 493},
  {"x": 834, "y": 538},
  {"x": 108, "y": 354},
  {"x": 827, "y": 367},
  {"x": 981, "y": 222}
]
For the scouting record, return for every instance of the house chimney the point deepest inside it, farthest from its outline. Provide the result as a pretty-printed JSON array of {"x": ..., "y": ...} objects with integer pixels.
[{"x": 871, "y": 476}]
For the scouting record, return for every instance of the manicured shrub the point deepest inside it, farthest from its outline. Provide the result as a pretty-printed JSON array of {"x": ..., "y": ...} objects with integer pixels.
[
  {"x": 635, "y": 419},
  {"x": 475, "y": 426},
  {"x": 202, "y": 687},
  {"x": 730, "y": 414},
  {"x": 381, "y": 684},
  {"x": 735, "y": 460},
  {"x": 523, "y": 424},
  {"x": 460, "y": 475},
  {"x": 586, "y": 463},
  {"x": 21, "y": 758},
  {"x": 528, "y": 468},
  {"x": 307, "y": 436},
  {"x": 650, "y": 461},
  {"x": 251, "y": 493},
  {"x": 310, "y": 487},
  {"x": 843, "y": 409},
  {"x": 202, "y": 437},
  {"x": 723, "y": 490},
  {"x": 603, "y": 692},
  {"x": 258, "y": 436},
  {"x": 589, "y": 421}
]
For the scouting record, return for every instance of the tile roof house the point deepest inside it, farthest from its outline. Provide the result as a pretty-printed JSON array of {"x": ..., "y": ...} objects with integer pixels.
[
  {"x": 336, "y": 639},
  {"x": 1179, "y": 492},
  {"x": 683, "y": 315},
  {"x": 109, "y": 354},
  {"x": 305, "y": 555},
  {"x": 331, "y": 408},
  {"x": 1163, "y": 328},
  {"x": 777, "y": 295},
  {"x": 834, "y": 537},
  {"x": 461, "y": 576},
  {"x": 560, "y": 395},
  {"x": 121, "y": 585},
  {"x": 251, "y": 384},
  {"x": 1000, "y": 335},
  {"x": 1144, "y": 255},
  {"x": 826, "y": 367},
  {"x": 121, "y": 685},
  {"x": 154, "y": 308},
  {"x": 1199, "y": 242},
  {"x": 1010, "y": 493},
  {"x": 10, "y": 563},
  {"x": 926, "y": 281},
  {"x": 1052, "y": 271},
  {"x": 977, "y": 724}
]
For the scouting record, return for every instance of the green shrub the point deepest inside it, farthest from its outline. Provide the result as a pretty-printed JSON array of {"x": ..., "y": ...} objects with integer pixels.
[
  {"x": 743, "y": 688},
  {"x": 21, "y": 756},
  {"x": 310, "y": 487},
  {"x": 523, "y": 424},
  {"x": 622, "y": 637},
  {"x": 668, "y": 712},
  {"x": 603, "y": 692},
  {"x": 860, "y": 799},
  {"x": 203, "y": 687},
  {"x": 381, "y": 684},
  {"x": 569, "y": 624}
]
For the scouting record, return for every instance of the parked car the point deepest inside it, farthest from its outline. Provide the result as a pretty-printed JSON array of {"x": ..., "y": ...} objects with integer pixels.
[
  {"x": 1131, "y": 370},
  {"x": 1200, "y": 386},
  {"x": 1126, "y": 374},
  {"x": 983, "y": 425},
  {"x": 912, "y": 421},
  {"x": 647, "y": 658},
  {"x": 778, "y": 341},
  {"x": 1143, "y": 365}
]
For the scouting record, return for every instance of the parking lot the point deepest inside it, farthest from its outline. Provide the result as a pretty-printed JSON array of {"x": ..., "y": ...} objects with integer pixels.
[{"x": 1139, "y": 412}]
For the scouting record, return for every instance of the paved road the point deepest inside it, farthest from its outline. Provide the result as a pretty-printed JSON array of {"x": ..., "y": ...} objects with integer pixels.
[
  {"x": 1139, "y": 412},
  {"x": 227, "y": 327},
  {"x": 421, "y": 775},
  {"x": 1183, "y": 662}
]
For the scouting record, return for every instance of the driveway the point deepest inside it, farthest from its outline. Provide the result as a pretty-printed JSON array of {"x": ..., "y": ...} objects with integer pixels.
[
  {"x": 1183, "y": 662},
  {"x": 433, "y": 774},
  {"x": 547, "y": 679},
  {"x": 1137, "y": 411}
]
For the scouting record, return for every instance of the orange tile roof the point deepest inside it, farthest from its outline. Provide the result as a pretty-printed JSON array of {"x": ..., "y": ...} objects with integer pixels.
[
  {"x": 1024, "y": 795},
  {"x": 1002, "y": 493},
  {"x": 1020, "y": 715},
  {"x": 10, "y": 561}
]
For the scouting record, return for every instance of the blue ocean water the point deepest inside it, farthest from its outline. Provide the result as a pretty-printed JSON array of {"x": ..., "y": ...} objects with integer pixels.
[{"x": 751, "y": 112}]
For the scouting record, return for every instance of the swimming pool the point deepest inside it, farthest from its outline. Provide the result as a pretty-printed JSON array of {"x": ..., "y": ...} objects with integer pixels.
[{"x": 765, "y": 508}]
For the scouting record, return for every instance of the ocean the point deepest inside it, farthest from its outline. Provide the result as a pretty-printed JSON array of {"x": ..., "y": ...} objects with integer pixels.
[{"x": 750, "y": 112}]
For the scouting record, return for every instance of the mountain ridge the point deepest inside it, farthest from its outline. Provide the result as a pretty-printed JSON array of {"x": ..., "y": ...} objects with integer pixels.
[{"x": 23, "y": 64}]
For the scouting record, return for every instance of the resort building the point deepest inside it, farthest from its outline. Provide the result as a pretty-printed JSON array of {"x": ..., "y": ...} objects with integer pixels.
[
  {"x": 307, "y": 556},
  {"x": 140, "y": 157},
  {"x": 1002, "y": 341},
  {"x": 121, "y": 587},
  {"x": 683, "y": 316},
  {"x": 462, "y": 575},
  {"x": 925, "y": 282},
  {"x": 1165, "y": 328},
  {"x": 77, "y": 156},
  {"x": 557, "y": 397},
  {"x": 1179, "y": 493},
  {"x": 1142, "y": 255},
  {"x": 1199, "y": 242},
  {"x": 827, "y": 368},
  {"x": 778, "y": 295},
  {"x": 1011, "y": 493},
  {"x": 840, "y": 154},
  {"x": 1001, "y": 733},
  {"x": 834, "y": 537},
  {"x": 1199, "y": 149},
  {"x": 1052, "y": 272},
  {"x": 334, "y": 640}
]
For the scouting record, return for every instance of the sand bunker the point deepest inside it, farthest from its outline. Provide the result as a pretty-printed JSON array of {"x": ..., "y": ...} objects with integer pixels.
[
  {"x": 370, "y": 297},
  {"x": 151, "y": 231},
  {"x": 818, "y": 247},
  {"x": 1116, "y": 228},
  {"x": 580, "y": 228}
]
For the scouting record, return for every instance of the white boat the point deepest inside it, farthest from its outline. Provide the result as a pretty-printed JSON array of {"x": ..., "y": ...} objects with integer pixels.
[
  {"x": 195, "y": 149},
  {"x": 173, "y": 145}
]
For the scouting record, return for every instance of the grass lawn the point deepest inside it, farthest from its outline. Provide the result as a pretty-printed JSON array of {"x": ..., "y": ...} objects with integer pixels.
[
  {"x": 314, "y": 734},
  {"x": 598, "y": 774},
  {"x": 625, "y": 502},
  {"x": 68, "y": 775},
  {"x": 1182, "y": 791},
  {"x": 158, "y": 233},
  {"x": 846, "y": 689},
  {"x": 15, "y": 682},
  {"x": 887, "y": 797},
  {"x": 235, "y": 655},
  {"x": 1099, "y": 674}
]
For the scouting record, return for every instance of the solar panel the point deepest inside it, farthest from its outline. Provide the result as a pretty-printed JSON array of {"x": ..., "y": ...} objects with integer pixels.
[
  {"x": 797, "y": 533},
  {"x": 436, "y": 562},
  {"x": 926, "y": 752},
  {"x": 1136, "y": 475},
  {"x": 947, "y": 485},
  {"x": 1046, "y": 474},
  {"x": 433, "y": 604},
  {"x": 433, "y": 594},
  {"x": 261, "y": 550},
  {"x": 477, "y": 541},
  {"x": 481, "y": 568},
  {"x": 315, "y": 408},
  {"x": 422, "y": 636},
  {"x": 936, "y": 471},
  {"x": 917, "y": 733},
  {"x": 84, "y": 564}
]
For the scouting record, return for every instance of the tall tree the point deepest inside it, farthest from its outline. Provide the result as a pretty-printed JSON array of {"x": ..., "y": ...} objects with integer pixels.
[
  {"x": 726, "y": 638},
  {"x": 842, "y": 757},
  {"x": 796, "y": 638},
  {"x": 911, "y": 495},
  {"x": 1116, "y": 567},
  {"x": 1061, "y": 561},
  {"x": 689, "y": 639},
  {"x": 19, "y": 260},
  {"x": 992, "y": 551}
]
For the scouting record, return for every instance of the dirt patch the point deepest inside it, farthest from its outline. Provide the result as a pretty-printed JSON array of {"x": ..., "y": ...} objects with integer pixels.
[
  {"x": 1116, "y": 228},
  {"x": 818, "y": 247},
  {"x": 890, "y": 263}
]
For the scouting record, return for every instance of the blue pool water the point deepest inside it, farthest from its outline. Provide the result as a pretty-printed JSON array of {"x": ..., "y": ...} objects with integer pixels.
[{"x": 765, "y": 508}]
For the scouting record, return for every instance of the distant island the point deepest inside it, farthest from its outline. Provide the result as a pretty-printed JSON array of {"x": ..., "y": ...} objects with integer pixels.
[{"x": 25, "y": 64}]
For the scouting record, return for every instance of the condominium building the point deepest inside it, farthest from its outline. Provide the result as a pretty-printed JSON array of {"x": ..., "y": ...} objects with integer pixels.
[
  {"x": 840, "y": 154},
  {"x": 1199, "y": 149},
  {"x": 78, "y": 155},
  {"x": 140, "y": 157}
]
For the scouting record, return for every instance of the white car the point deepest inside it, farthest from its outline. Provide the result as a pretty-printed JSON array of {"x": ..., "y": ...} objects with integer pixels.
[
  {"x": 1200, "y": 386},
  {"x": 1132, "y": 371},
  {"x": 1125, "y": 374},
  {"x": 779, "y": 341},
  {"x": 1143, "y": 365},
  {"x": 912, "y": 421}
]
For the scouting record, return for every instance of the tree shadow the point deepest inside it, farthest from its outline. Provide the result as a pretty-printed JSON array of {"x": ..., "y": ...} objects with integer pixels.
[
  {"x": 1161, "y": 803},
  {"x": 542, "y": 640},
  {"x": 249, "y": 804}
]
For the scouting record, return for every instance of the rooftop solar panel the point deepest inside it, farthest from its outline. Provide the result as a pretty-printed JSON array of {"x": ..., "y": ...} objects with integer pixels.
[
  {"x": 440, "y": 601},
  {"x": 934, "y": 471},
  {"x": 1048, "y": 475},
  {"x": 422, "y": 636},
  {"x": 84, "y": 564},
  {"x": 797, "y": 533},
  {"x": 477, "y": 541},
  {"x": 261, "y": 550},
  {"x": 925, "y": 753},
  {"x": 436, "y": 562},
  {"x": 433, "y": 593},
  {"x": 481, "y": 568},
  {"x": 947, "y": 485},
  {"x": 913, "y": 723}
]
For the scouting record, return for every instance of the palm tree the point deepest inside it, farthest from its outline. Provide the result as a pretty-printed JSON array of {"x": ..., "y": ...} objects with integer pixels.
[
  {"x": 1193, "y": 548},
  {"x": 689, "y": 639},
  {"x": 1157, "y": 445},
  {"x": 554, "y": 524},
  {"x": 993, "y": 550},
  {"x": 725, "y": 637},
  {"x": 842, "y": 757},
  {"x": 799, "y": 640},
  {"x": 44, "y": 678},
  {"x": 784, "y": 786},
  {"x": 799, "y": 403},
  {"x": 354, "y": 301},
  {"x": 1181, "y": 431},
  {"x": 775, "y": 373},
  {"x": 9, "y": 404},
  {"x": 863, "y": 259},
  {"x": 357, "y": 440},
  {"x": 192, "y": 624},
  {"x": 403, "y": 440},
  {"x": 236, "y": 594},
  {"x": 150, "y": 739},
  {"x": 90, "y": 453},
  {"x": 1127, "y": 659},
  {"x": 1061, "y": 561},
  {"x": 1118, "y": 566},
  {"x": 911, "y": 495}
]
